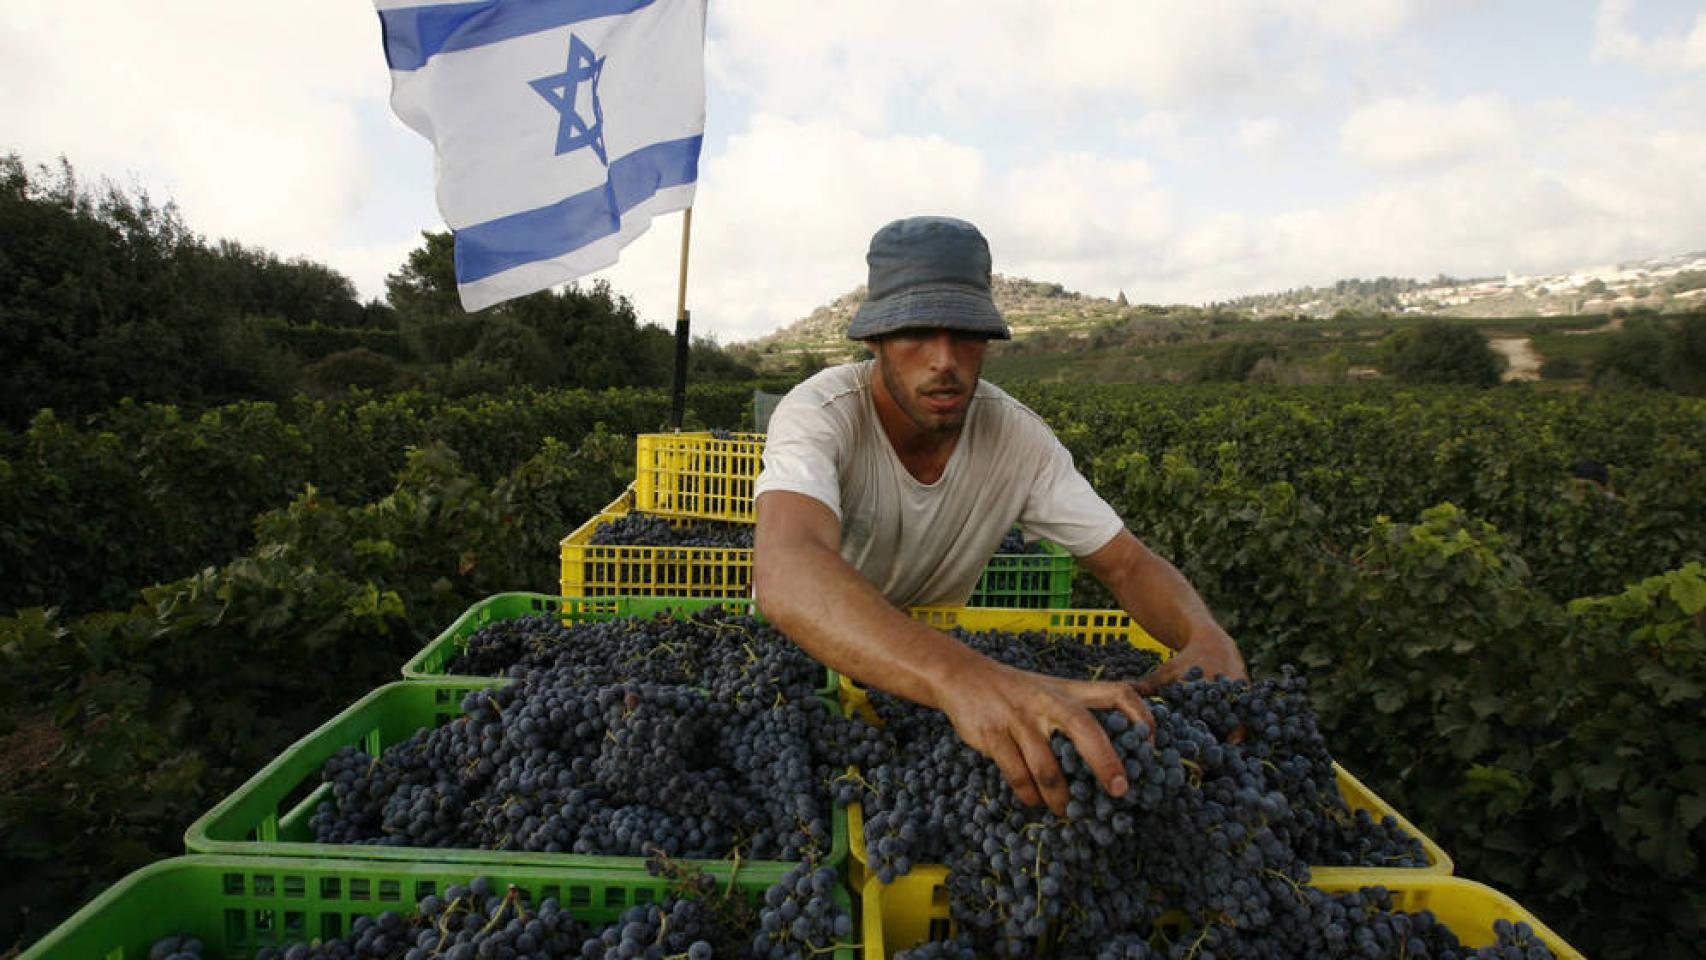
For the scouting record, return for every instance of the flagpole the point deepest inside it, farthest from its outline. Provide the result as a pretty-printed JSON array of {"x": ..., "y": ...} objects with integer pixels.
[{"x": 678, "y": 394}]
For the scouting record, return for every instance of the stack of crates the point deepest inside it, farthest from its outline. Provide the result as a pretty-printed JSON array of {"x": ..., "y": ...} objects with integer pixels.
[
  {"x": 699, "y": 476},
  {"x": 255, "y": 878}
]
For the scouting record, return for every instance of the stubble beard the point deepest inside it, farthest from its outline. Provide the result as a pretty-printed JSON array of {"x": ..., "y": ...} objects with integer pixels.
[{"x": 910, "y": 403}]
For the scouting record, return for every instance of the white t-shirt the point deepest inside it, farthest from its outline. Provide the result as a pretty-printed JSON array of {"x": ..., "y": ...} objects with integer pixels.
[{"x": 927, "y": 543}]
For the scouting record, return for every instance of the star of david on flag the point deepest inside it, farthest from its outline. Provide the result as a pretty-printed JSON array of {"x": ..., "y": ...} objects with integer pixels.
[{"x": 561, "y": 127}]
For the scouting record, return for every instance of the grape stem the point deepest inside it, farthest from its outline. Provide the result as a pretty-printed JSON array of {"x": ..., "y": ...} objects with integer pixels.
[{"x": 509, "y": 900}]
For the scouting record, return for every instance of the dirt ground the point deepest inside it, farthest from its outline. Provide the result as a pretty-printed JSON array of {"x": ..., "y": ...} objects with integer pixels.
[
  {"x": 1524, "y": 362},
  {"x": 1611, "y": 326}
]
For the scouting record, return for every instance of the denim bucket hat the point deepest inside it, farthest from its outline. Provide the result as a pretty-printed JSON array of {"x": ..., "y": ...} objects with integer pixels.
[{"x": 928, "y": 272}]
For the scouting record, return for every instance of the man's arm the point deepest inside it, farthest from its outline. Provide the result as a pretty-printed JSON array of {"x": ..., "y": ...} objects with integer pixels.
[
  {"x": 1159, "y": 597},
  {"x": 810, "y": 593}
]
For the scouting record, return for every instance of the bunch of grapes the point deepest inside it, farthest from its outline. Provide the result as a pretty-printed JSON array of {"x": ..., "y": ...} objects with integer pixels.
[
  {"x": 551, "y": 765},
  {"x": 1013, "y": 542},
  {"x": 736, "y": 654},
  {"x": 648, "y": 530},
  {"x": 1233, "y": 794}
]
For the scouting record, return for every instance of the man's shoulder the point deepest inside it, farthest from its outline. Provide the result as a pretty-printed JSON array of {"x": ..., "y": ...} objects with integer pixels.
[
  {"x": 831, "y": 385},
  {"x": 1006, "y": 412}
]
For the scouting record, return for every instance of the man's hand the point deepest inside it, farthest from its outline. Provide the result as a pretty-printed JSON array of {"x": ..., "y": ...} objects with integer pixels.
[
  {"x": 1217, "y": 655},
  {"x": 1008, "y": 714},
  {"x": 1158, "y": 597}
]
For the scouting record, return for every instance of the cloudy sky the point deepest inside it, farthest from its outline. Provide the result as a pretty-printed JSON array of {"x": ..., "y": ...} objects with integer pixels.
[{"x": 1180, "y": 152}]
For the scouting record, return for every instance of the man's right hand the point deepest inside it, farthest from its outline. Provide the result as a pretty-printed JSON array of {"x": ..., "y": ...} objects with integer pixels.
[{"x": 1009, "y": 714}]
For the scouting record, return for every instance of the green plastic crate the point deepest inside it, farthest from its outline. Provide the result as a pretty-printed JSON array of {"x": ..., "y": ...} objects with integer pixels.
[
  {"x": 236, "y": 905},
  {"x": 1031, "y": 581},
  {"x": 432, "y": 662},
  {"x": 268, "y": 815}
]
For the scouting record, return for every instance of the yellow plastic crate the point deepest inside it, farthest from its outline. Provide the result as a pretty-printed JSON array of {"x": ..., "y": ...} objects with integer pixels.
[
  {"x": 589, "y": 570},
  {"x": 914, "y": 909},
  {"x": 1099, "y": 627},
  {"x": 696, "y": 475}
]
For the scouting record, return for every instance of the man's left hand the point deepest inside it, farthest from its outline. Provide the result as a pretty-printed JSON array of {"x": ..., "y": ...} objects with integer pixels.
[{"x": 1216, "y": 654}]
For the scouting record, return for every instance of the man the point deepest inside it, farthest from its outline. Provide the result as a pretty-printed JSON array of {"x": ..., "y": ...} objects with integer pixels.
[{"x": 890, "y": 483}]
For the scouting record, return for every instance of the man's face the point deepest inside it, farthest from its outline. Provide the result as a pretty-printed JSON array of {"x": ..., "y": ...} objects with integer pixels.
[{"x": 930, "y": 375}]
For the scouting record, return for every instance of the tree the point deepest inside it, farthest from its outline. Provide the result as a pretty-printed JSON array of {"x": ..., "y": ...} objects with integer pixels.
[
  {"x": 1441, "y": 352},
  {"x": 1683, "y": 365},
  {"x": 360, "y": 368},
  {"x": 425, "y": 285},
  {"x": 1630, "y": 358},
  {"x": 1234, "y": 361},
  {"x": 1562, "y": 367},
  {"x": 519, "y": 354},
  {"x": 106, "y": 294}
]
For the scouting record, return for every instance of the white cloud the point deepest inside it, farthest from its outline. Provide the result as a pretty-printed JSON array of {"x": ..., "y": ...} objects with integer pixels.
[
  {"x": 1260, "y": 135},
  {"x": 1419, "y": 133},
  {"x": 785, "y": 214},
  {"x": 784, "y": 224},
  {"x": 865, "y": 62},
  {"x": 1072, "y": 218},
  {"x": 1581, "y": 190},
  {"x": 1362, "y": 20},
  {"x": 783, "y": 217},
  {"x": 245, "y": 115},
  {"x": 1615, "y": 40}
]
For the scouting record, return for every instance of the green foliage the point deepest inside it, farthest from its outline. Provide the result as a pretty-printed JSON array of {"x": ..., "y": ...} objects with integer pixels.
[
  {"x": 150, "y": 493},
  {"x": 425, "y": 286},
  {"x": 315, "y": 341},
  {"x": 1440, "y": 352},
  {"x": 1630, "y": 358},
  {"x": 109, "y": 295},
  {"x": 1554, "y": 748},
  {"x": 1654, "y": 353},
  {"x": 1625, "y": 781},
  {"x": 167, "y": 706},
  {"x": 361, "y": 369},
  {"x": 1683, "y": 365},
  {"x": 1233, "y": 362},
  {"x": 1564, "y": 367}
]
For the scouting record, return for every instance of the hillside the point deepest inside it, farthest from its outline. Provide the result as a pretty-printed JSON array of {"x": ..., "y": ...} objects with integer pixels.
[
  {"x": 1659, "y": 283},
  {"x": 1111, "y": 340},
  {"x": 1031, "y": 307}
]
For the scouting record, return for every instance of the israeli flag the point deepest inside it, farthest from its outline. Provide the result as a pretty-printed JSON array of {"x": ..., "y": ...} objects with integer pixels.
[{"x": 561, "y": 127}]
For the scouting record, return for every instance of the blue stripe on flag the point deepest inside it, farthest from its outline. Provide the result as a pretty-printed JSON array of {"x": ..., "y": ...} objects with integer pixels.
[
  {"x": 551, "y": 231},
  {"x": 413, "y": 35}
]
